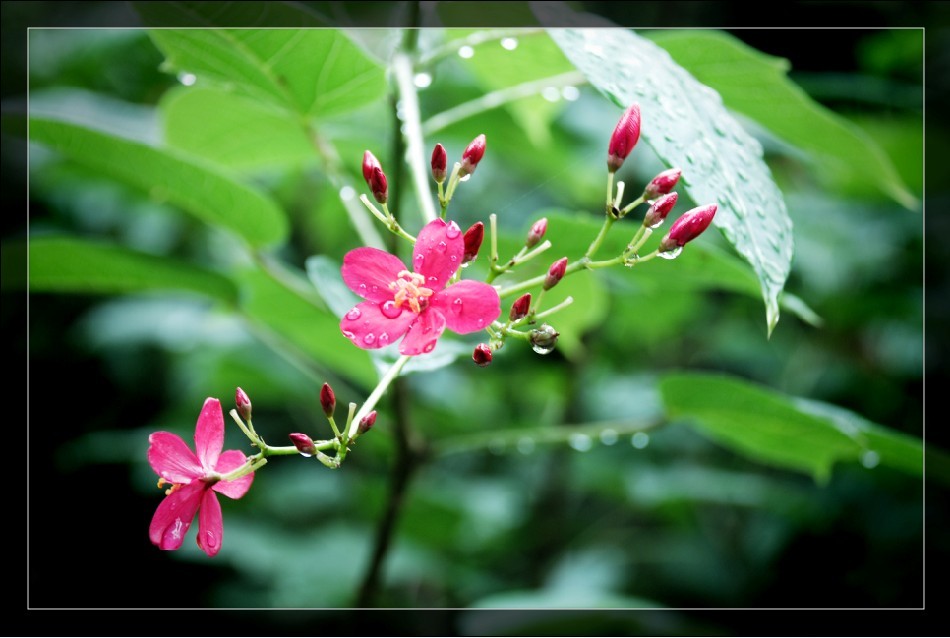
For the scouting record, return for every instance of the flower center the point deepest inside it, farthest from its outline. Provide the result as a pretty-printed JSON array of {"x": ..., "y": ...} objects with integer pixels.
[{"x": 409, "y": 290}]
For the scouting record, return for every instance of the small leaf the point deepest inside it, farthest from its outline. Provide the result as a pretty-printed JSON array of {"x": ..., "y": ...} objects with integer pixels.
[
  {"x": 197, "y": 188},
  {"x": 72, "y": 265},
  {"x": 687, "y": 126},
  {"x": 311, "y": 72}
]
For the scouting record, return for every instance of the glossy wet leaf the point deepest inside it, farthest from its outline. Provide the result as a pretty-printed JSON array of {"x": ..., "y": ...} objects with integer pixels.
[
  {"x": 687, "y": 126},
  {"x": 73, "y": 265},
  {"x": 757, "y": 86},
  {"x": 198, "y": 188},
  {"x": 310, "y": 72}
]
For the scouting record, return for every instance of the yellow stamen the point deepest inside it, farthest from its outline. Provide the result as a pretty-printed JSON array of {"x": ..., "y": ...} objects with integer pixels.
[
  {"x": 409, "y": 290},
  {"x": 174, "y": 486}
]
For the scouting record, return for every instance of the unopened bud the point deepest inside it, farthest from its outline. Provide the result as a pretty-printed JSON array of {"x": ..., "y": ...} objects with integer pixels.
[
  {"x": 482, "y": 355},
  {"x": 555, "y": 273},
  {"x": 367, "y": 422},
  {"x": 544, "y": 338},
  {"x": 659, "y": 209},
  {"x": 327, "y": 400},
  {"x": 303, "y": 443},
  {"x": 369, "y": 164},
  {"x": 243, "y": 404},
  {"x": 473, "y": 155},
  {"x": 536, "y": 233},
  {"x": 688, "y": 227},
  {"x": 519, "y": 309},
  {"x": 379, "y": 186},
  {"x": 662, "y": 183},
  {"x": 624, "y": 138},
  {"x": 473, "y": 241},
  {"x": 438, "y": 163}
]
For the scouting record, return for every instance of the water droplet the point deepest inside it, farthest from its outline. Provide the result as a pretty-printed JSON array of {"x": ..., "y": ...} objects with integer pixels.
[
  {"x": 466, "y": 52},
  {"x": 525, "y": 445},
  {"x": 671, "y": 254},
  {"x": 452, "y": 230},
  {"x": 608, "y": 437},
  {"x": 362, "y": 289},
  {"x": 422, "y": 80},
  {"x": 570, "y": 93},
  {"x": 348, "y": 334},
  {"x": 640, "y": 440},
  {"x": 442, "y": 246},
  {"x": 187, "y": 79},
  {"x": 429, "y": 347},
  {"x": 383, "y": 339},
  {"x": 347, "y": 193},
  {"x": 433, "y": 279},
  {"x": 369, "y": 339},
  {"x": 420, "y": 258},
  {"x": 870, "y": 459},
  {"x": 580, "y": 442},
  {"x": 465, "y": 178},
  {"x": 457, "y": 306},
  {"x": 551, "y": 93},
  {"x": 540, "y": 349},
  {"x": 375, "y": 288},
  {"x": 354, "y": 314},
  {"x": 453, "y": 258},
  {"x": 479, "y": 322},
  {"x": 304, "y": 454},
  {"x": 509, "y": 43}
]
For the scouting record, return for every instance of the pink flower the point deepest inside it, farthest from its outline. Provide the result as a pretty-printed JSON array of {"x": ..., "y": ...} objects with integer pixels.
[
  {"x": 194, "y": 481},
  {"x": 416, "y": 302}
]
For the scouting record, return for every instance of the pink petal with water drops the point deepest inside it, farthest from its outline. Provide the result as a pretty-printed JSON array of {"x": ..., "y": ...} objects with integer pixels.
[
  {"x": 370, "y": 325},
  {"x": 369, "y": 271},
  {"x": 172, "y": 459},
  {"x": 210, "y": 524},
  {"x": 230, "y": 461},
  {"x": 438, "y": 253},
  {"x": 209, "y": 433},
  {"x": 423, "y": 333},
  {"x": 468, "y": 305},
  {"x": 174, "y": 515}
]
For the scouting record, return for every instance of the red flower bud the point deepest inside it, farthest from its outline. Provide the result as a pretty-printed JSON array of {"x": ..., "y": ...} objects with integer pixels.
[
  {"x": 536, "y": 233},
  {"x": 379, "y": 185},
  {"x": 662, "y": 183},
  {"x": 473, "y": 241},
  {"x": 473, "y": 155},
  {"x": 519, "y": 309},
  {"x": 367, "y": 422},
  {"x": 303, "y": 443},
  {"x": 688, "y": 227},
  {"x": 555, "y": 273},
  {"x": 369, "y": 163},
  {"x": 659, "y": 210},
  {"x": 327, "y": 400},
  {"x": 438, "y": 163},
  {"x": 243, "y": 404},
  {"x": 482, "y": 355},
  {"x": 625, "y": 137}
]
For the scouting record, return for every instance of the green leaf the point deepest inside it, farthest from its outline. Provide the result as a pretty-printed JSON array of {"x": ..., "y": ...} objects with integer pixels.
[
  {"x": 196, "y": 187},
  {"x": 311, "y": 72},
  {"x": 759, "y": 423},
  {"x": 687, "y": 126},
  {"x": 283, "y": 308},
  {"x": 71, "y": 265},
  {"x": 756, "y": 85},
  {"x": 232, "y": 130}
]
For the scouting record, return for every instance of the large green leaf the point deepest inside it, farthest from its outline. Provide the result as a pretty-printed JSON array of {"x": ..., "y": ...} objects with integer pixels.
[
  {"x": 233, "y": 131},
  {"x": 756, "y": 85},
  {"x": 196, "y": 187},
  {"x": 770, "y": 427},
  {"x": 687, "y": 125},
  {"x": 312, "y": 72},
  {"x": 71, "y": 265}
]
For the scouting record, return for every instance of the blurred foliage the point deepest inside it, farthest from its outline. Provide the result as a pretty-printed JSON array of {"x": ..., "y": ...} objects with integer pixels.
[{"x": 664, "y": 456}]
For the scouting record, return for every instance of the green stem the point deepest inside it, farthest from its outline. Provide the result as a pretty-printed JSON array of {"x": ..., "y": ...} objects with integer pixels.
[
  {"x": 415, "y": 155},
  {"x": 643, "y": 234},
  {"x": 375, "y": 396},
  {"x": 629, "y": 207},
  {"x": 599, "y": 239}
]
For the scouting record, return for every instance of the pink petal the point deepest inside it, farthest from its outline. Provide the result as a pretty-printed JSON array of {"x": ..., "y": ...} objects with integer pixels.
[
  {"x": 210, "y": 524},
  {"x": 438, "y": 253},
  {"x": 174, "y": 515},
  {"x": 209, "y": 433},
  {"x": 368, "y": 326},
  {"x": 369, "y": 271},
  {"x": 230, "y": 461},
  {"x": 468, "y": 305},
  {"x": 172, "y": 459},
  {"x": 423, "y": 333}
]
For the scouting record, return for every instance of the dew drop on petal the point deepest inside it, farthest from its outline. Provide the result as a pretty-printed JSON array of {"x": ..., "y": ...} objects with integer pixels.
[
  {"x": 433, "y": 279},
  {"x": 671, "y": 254},
  {"x": 369, "y": 339},
  {"x": 452, "y": 230},
  {"x": 362, "y": 289},
  {"x": 354, "y": 314},
  {"x": 420, "y": 258},
  {"x": 442, "y": 246},
  {"x": 457, "y": 306},
  {"x": 375, "y": 288},
  {"x": 429, "y": 347},
  {"x": 390, "y": 310},
  {"x": 383, "y": 339},
  {"x": 348, "y": 334},
  {"x": 453, "y": 258}
]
